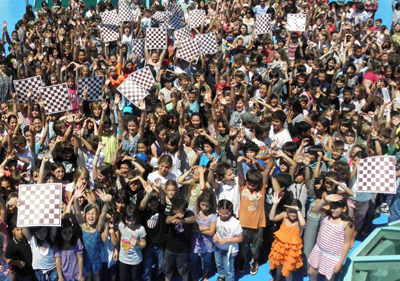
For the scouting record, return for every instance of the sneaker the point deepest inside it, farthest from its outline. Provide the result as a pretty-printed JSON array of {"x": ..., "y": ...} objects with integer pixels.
[
  {"x": 254, "y": 268},
  {"x": 220, "y": 278},
  {"x": 384, "y": 208},
  {"x": 241, "y": 266}
]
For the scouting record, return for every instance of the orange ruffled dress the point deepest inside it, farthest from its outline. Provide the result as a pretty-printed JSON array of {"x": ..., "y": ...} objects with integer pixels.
[{"x": 286, "y": 249}]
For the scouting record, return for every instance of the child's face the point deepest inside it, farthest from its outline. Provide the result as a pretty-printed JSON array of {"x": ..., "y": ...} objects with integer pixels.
[
  {"x": 347, "y": 96},
  {"x": 336, "y": 212},
  {"x": 132, "y": 127},
  {"x": 82, "y": 181},
  {"x": 153, "y": 205},
  {"x": 224, "y": 214},
  {"x": 120, "y": 206},
  {"x": 349, "y": 139},
  {"x": 337, "y": 153},
  {"x": 92, "y": 216},
  {"x": 96, "y": 112},
  {"x": 163, "y": 135},
  {"x": 170, "y": 191},
  {"x": 192, "y": 97},
  {"x": 71, "y": 83},
  {"x": 239, "y": 105},
  {"x": 142, "y": 148},
  {"x": 229, "y": 176},
  {"x": 221, "y": 128},
  {"x": 250, "y": 154},
  {"x": 196, "y": 176},
  {"x": 41, "y": 233},
  {"x": 208, "y": 149},
  {"x": 18, "y": 233},
  {"x": 205, "y": 206},
  {"x": 195, "y": 121},
  {"x": 292, "y": 214},
  {"x": 134, "y": 185},
  {"x": 66, "y": 233},
  {"x": 106, "y": 129},
  {"x": 164, "y": 169},
  {"x": 124, "y": 169}
]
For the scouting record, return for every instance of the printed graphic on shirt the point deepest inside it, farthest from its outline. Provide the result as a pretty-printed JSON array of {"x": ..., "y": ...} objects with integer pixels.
[
  {"x": 254, "y": 199},
  {"x": 153, "y": 221},
  {"x": 128, "y": 244}
]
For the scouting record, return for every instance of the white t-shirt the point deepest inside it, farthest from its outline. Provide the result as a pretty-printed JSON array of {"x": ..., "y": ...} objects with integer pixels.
[
  {"x": 155, "y": 175},
  {"x": 228, "y": 229},
  {"x": 281, "y": 138},
  {"x": 42, "y": 256},
  {"x": 231, "y": 193}
]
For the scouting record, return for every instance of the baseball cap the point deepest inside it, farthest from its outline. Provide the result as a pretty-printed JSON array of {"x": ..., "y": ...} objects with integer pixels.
[
  {"x": 249, "y": 117},
  {"x": 127, "y": 109},
  {"x": 142, "y": 157}
]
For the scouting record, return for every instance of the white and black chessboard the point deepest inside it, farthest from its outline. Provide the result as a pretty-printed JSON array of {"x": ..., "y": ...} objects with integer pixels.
[
  {"x": 377, "y": 174},
  {"x": 110, "y": 17},
  {"x": 109, "y": 33},
  {"x": 125, "y": 12},
  {"x": 23, "y": 86},
  {"x": 207, "y": 43},
  {"x": 189, "y": 50},
  {"x": 132, "y": 91},
  {"x": 156, "y": 38},
  {"x": 182, "y": 33},
  {"x": 143, "y": 77},
  {"x": 196, "y": 18},
  {"x": 138, "y": 46},
  {"x": 56, "y": 98},
  {"x": 160, "y": 17},
  {"x": 263, "y": 24},
  {"x": 296, "y": 22},
  {"x": 40, "y": 205},
  {"x": 94, "y": 85}
]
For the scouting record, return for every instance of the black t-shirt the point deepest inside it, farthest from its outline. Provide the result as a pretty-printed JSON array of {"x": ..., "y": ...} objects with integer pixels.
[
  {"x": 347, "y": 107},
  {"x": 178, "y": 240},
  {"x": 18, "y": 250},
  {"x": 135, "y": 197},
  {"x": 155, "y": 225},
  {"x": 268, "y": 203}
]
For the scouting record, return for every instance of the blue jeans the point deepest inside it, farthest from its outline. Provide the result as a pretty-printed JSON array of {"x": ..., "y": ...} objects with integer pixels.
[
  {"x": 205, "y": 261},
  {"x": 50, "y": 275},
  {"x": 225, "y": 265},
  {"x": 149, "y": 254}
]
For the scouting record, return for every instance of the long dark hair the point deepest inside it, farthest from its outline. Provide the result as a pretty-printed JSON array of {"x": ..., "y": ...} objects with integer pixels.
[
  {"x": 345, "y": 215},
  {"x": 226, "y": 205},
  {"x": 59, "y": 241},
  {"x": 209, "y": 197},
  {"x": 46, "y": 239}
]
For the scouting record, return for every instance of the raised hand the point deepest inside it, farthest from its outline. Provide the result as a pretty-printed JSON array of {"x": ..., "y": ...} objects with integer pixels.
[{"x": 276, "y": 199}]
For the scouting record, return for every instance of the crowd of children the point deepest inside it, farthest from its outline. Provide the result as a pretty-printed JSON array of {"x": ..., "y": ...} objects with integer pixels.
[{"x": 226, "y": 160}]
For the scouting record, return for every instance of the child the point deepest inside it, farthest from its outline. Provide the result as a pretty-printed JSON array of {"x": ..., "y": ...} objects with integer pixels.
[
  {"x": 19, "y": 254},
  {"x": 228, "y": 235},
  {"x": 228, "y": 187},
  {"x": 133, "y": 240},
  {"x": 286, "y": 249},
  {"x": 69, "y": 253},
  {"x": 174, "y": 148},
  {"x": 177, "y": 249},
  {"x": 164, "y": 165},
  {"x": 153, "y": 219},
  {"x": 334, "y": 239},
  {"x": 197, "y": 184},
  {"x": 92, "y": 223},
  {"x": 171, "y": 192},
  {"x": 202, "y": 244},
  {"x": 41, "y": 242}
]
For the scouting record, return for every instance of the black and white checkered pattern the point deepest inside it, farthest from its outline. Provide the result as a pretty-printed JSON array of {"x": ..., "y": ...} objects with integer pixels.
[
  {"x": 377, "y": 174},
  {"x": 23, "y": 86},
  {"x": 132, "y": 91},
  {"x": 296, "y": 22},
  {"x": 125, "y": 12},
  {"x": 207, "y": 43},
  {"x": 196, "y": 18},
  {"x": 263, "y": 24},
  {"x": 94, "y": 85},
  {"x": 182, "y": 33},
  {"x": 110, "y": 17},
  {"x": 176, "y": 21},
  {"x": 109, "y": 33},
  {"x": 189, "y": 50},
  {"x": 156, "y": 38},
  {"x": 138, "y": 48},
  {"x": 143, "y": 77},
  {"x": 40, "y": 205},
  {"x": 56, "y": 98},
  {"x": 176, "y": 10},
  {"x": 160, "y": 17}
]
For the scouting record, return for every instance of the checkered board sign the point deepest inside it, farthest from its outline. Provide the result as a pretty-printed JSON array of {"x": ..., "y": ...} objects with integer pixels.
[
  {"x": 377, "y": 174},
  {"x": 156, "y": 38},
  {"x": 125, "y": 12},
  {"x": 207, "y": 43},
  {"x": 110, "y": 17},
  {"x": 94, "y": 85},
  {"x": 109, "y": 33},
  {"x": 132, "y": 91},
  {"x": 196, "y": 17},
  {"x": 296, "y": 22},
  {"x": 138, "y": 47},
  {"x": 56, "y": 98},
  {"x": 175, "y": 9},
  {"x": 176, "y": 21},
  {"x": 40, "y": 205},
  {"x": 23, "y": 86},
  {"x": 182, "y": 33},
  {"x": 160, "y": 16},
  {"x": 263, "y": 24},
  {"x": 143, "y": 77},
  {"x": 189, "y": 50}
]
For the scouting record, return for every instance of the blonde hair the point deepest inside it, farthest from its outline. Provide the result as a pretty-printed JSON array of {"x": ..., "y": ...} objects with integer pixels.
[{"x": 81, "y": 170}]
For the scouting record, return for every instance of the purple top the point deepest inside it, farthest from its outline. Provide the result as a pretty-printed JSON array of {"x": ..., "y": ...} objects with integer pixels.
[
  {"x": 69, "y": 261},
  {"x": 202, "y": 243}
]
